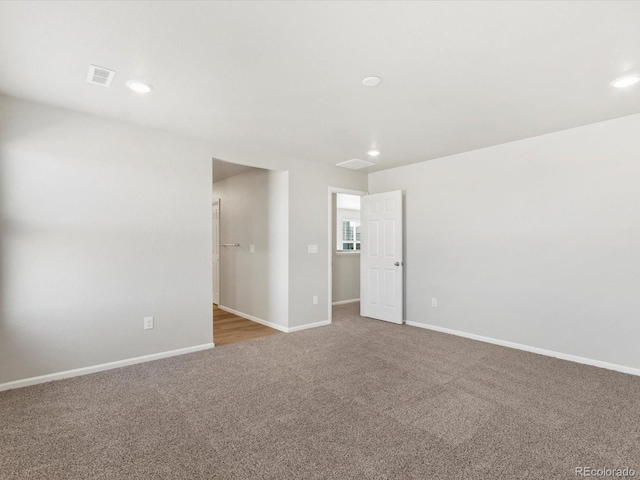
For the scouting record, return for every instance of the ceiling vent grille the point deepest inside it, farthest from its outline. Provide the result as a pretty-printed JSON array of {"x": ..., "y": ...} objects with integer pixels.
[
  {"x": 355, "y": 164},
  {"x": 100, "y": 76}
]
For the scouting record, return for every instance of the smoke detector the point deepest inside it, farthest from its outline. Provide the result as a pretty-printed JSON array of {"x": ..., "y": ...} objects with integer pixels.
[
  {"x": 100, "y": 76},
  {"x": 355, "y": 164},
  {"x": 371, "y": 81}
]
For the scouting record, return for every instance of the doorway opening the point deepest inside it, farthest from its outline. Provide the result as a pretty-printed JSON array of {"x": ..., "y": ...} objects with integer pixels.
[
  {"x": 249, "y": 236},
  {"x": 344, "y": 247}
]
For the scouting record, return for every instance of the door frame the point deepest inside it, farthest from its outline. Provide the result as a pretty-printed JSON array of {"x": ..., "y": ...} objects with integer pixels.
[
  {"x": 330, "y": 236},
  {"x": 216, "y": 201}
]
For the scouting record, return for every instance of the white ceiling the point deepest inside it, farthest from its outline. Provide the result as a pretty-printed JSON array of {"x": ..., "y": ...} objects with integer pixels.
[{"x": 285, "y": 77}]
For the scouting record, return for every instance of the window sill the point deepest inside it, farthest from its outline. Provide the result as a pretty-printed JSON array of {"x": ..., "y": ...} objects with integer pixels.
[{"x": 347, "y": 252}]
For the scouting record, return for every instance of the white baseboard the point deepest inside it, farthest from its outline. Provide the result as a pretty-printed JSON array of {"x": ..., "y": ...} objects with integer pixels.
[
  {"x": 342, "y": 302},
  {"x": 101, "y": 367},
  {"x": 308, "y": 325},
  {"x": 274, "y": 325},
  {"x": 527, "y": 348},
  {"x": 254, "y": 319}
]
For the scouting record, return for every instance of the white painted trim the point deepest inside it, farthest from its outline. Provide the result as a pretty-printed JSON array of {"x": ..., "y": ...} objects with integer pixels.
[
  {"x": 527, "y": 348},
  {"x": 348, "y": 191},
  {"x": 342, "y": 302},
  {"x": 274, "y": 325},
  {"x": 101, "y": 367},
  {"x": 254, "y": 319},
  {"x": 309, "y": 325},
  {"x": 215, "y": 201}
]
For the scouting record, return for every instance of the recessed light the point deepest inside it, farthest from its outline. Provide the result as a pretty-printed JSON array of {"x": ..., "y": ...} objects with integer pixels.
[
  {"x": 626, "y": 81},
  {"x": 371, "y": 81},
  {"x": 373, "y": 153},
  {"x": 138, "y": 87}
]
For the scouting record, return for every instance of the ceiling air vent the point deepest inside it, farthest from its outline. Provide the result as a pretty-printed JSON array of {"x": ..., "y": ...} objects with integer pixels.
[
  {"x": 355, "y": 164},
  {"x": 100, "y": 76}
]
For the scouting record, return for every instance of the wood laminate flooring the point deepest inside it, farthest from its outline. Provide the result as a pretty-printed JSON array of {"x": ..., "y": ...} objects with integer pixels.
[{"x": 229, "y": 328}]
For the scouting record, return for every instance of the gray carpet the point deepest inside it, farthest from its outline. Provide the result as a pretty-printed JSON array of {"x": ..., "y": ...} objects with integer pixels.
[{"x": 357, "y": 399}]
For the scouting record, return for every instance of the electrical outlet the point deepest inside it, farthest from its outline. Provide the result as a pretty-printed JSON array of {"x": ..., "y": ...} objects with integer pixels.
[
  {"x": 252, "y": 249},
  {"x": 434, "y": 302},
  {"x": 148, "y": 323},
  {"x": 315, "y": 299}
]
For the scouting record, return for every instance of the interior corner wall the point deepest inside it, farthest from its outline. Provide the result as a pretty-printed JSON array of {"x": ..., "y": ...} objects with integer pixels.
[
  {"x": 278, "y": 266},
  {"x": 254, "y": 211},
  {"x": 533, "y": 242},
  {"x": 309, "y": 212},
  {"x": 102, "y": 224}
]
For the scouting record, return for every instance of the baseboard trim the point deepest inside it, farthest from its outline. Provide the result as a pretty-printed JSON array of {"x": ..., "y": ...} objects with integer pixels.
[
  {"x": 274, "y": 325},
  {"x": 309, "y": 325},
  {"x": 26, "y": 382},
  {"x": 527, "y": 348},
  {"x": 342, "y": 302},
  {"x": 254, "y": 319}
]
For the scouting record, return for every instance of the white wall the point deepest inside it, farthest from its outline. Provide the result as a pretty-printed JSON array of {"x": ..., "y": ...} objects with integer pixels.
[
  {"x": 253, "y": 211},
  {"x": 534, "y": 242},
  {"x": 103, "y": 223},
  {"x": 278, "y": 266},
  {"x": 346, "y": 277},
  {"x": 309, "y": 214}
]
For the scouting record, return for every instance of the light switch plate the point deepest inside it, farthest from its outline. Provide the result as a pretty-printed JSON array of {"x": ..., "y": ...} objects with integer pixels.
[
  {"x": 313, "y": 249},
  {"x": 148, "y": 323},
  {"x": 252, "y": 249}
]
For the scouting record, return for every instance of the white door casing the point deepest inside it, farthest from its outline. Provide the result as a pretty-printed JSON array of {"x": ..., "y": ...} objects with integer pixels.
[
  {"x": 381, "y": 257},
  {"x": 215, "y": 260}
]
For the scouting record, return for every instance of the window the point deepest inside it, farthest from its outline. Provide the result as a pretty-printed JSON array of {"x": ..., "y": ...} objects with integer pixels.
[
  {"x": 350, "y": 235},
  {"x": 347, "y": 223}
]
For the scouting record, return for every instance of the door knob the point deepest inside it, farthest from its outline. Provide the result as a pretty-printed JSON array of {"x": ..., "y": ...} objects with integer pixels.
[{"x": 397, "y": 264}]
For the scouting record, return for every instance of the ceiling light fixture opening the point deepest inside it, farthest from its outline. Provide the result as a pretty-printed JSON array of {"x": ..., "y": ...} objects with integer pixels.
[
  {"x": 138, "y": 87},
  {"x": 626, "y": 81},
  {"x": 371, "y": 81},
  {"x": 373, "y": 152}
]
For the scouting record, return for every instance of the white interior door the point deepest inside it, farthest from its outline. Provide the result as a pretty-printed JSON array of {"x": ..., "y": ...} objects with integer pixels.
[
  {"x": 215, "y": 260},
  {"x": 381, "y": 257}
]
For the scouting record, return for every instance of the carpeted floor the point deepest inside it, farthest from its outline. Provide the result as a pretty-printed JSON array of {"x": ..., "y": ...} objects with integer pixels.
[{"x": 359, "y": 399}]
